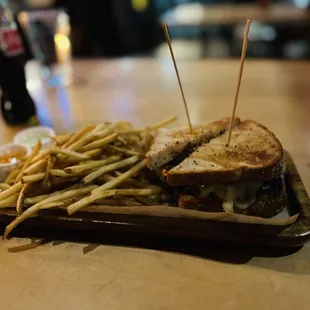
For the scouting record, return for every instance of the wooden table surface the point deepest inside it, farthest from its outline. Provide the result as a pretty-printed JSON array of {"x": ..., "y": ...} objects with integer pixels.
[{"x": 64, "y": 275}]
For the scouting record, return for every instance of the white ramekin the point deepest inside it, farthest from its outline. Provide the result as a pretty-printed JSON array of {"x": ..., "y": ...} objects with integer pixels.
[
  {"x": 6, "y": 169},
  {"x": 30, "y": 136}
]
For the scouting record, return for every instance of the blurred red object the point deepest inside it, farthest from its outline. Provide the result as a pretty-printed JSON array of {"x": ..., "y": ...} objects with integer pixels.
[{"x": 263, "y": 3}]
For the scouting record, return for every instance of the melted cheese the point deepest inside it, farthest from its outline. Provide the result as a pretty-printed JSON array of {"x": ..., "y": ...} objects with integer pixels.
[
  {"x": 228, "y": 203},
  {"x": 239, "y": 194}
]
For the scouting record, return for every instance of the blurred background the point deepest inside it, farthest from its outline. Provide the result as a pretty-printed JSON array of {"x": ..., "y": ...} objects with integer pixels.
[
  {"x": 55, "y": 32},
  {"x": 199, "y": 29}
]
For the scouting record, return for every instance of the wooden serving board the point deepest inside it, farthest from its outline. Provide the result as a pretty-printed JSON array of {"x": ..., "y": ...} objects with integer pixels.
[{"x": 98, "y": 226}]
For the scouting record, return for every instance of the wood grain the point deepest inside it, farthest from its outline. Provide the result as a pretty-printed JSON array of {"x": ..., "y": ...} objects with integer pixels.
[
  {"x": 145, "y": 91},
  {"x": 55, "y": 275}
]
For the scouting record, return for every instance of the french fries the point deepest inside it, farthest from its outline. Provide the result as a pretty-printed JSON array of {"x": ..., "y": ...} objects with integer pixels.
[
  {"x": 27, "y": 163},
  {"x": 108, "y": 193},
  {"x": 62, "y": 139},
  {"x": 99, "y": 143},
  {"x": 49, "y": 166},
  {"x": 42, "y": 205},
  {"x": 42, "y": 154},
  {"x": 12, "y": 176},
  {"x": 35, "y": 167},
  {"x": 4, "y": 186},
  {"x": 8, "y": 202},
  {"x": 33, "y": 178},
  {"x": 75, "y": 137},
  {"x": 100, "y": 164},
  {"x": 122, "y": 178},
  {"x": 20, "y": 200},
  {"x": 105, "y": 169},
  {"x": 84, "y": 140},
  {"x": 10, "y": 191},
  {"x": 76, "y": 155},
  {"x": 126, "y": 151},
  {"x": 164, "y": 123},
  {"x": 36, "y": 199},
  {"x": 91, "y": 165}
]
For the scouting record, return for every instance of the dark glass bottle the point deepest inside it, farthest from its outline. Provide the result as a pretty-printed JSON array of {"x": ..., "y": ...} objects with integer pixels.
[{"x": 17, "y": 106}]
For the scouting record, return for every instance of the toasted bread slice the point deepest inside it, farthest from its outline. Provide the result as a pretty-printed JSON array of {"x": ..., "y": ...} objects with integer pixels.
[
  {"x": 169, "y": 143},
  {"x": 254, "y": 154}
]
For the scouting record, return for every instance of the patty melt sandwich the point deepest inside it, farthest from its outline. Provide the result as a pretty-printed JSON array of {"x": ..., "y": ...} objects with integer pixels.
[{"x": 245, "y": 177}]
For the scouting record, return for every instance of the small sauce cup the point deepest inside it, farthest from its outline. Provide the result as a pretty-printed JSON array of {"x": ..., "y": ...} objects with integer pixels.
[
  {"x": 30, "y": 136},
  {"x": 10, "y": 156}
]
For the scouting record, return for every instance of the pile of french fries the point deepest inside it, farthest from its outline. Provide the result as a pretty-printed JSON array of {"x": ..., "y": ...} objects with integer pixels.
[{"x": 97, "y": 165}]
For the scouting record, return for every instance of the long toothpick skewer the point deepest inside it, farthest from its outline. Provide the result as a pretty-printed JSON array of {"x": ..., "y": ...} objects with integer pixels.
[
  {"x": 243, "y": 53},
  {"x": 165, "y": 27}
]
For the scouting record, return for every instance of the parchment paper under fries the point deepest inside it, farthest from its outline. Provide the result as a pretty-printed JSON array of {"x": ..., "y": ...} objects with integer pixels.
[{"x": 175, "y": 212}]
